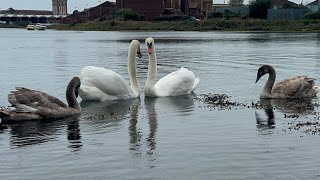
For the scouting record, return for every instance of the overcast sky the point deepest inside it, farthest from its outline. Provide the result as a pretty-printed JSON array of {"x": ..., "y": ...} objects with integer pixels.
[
  {"x": 47, "y": 4},
  {"x": 72, "y": 4}
]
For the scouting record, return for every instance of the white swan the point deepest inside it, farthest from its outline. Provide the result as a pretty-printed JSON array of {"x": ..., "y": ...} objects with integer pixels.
[
  {"x": 105, "y": 85},
  {"x": 295, "y": 87},
  {"x": 36, "y": 105},
  {"x": 177, "y": 83}
]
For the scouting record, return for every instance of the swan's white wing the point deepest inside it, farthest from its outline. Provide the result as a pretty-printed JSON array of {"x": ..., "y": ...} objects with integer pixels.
[
  {"x": 176, "y": 83},
  {"x": 105, "y": 80},
  {"x": 195, "y": 84}
]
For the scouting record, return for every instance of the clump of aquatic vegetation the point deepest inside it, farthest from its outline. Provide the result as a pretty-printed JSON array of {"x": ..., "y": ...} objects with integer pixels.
[
  {"x": 298, "y": 114},
  {"x": 220, "y": 101},
  {"x": 310, "y": 125}
]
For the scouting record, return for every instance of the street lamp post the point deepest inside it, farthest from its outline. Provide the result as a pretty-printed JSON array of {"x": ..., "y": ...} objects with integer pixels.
[
  {"x": 87, "y": 13},
  {"x": 100, "y": 8},
  {"x": 122, "y": 6},
  {"x": 75, "y": 14}
]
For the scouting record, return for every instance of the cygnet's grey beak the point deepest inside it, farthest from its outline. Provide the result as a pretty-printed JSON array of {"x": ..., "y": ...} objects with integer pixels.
[
  {"x": 258, "y": 77},
  {"x": 76, "y": 93}
]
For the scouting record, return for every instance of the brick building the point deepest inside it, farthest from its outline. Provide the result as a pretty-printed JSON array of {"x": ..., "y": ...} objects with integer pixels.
[
  {"x": 90, "y": 13},
  {"x": 60, "y": 7},
  {"x": 199, "y": 8},
  {"x": 59, "y": 11},
  {"x": 150, "y": 8},
  {"x": 28, "y": 16},
  {"x": 175, "y": 7},
  {"x": 154, "y": 8}
]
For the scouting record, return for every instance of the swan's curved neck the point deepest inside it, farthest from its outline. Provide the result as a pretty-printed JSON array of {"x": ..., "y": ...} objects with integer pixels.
[
  {"x": 270, "y": 82},
  {"x": 132, "y": 68},
  {"x": 71, "y": 97},
  {"x": 152, "y": 68}
]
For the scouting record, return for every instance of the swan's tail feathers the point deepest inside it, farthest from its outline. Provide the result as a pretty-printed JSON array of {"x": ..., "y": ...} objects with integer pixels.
[
  {"x": 3, "y": 114},
  {"x": 196, "y": 82},
  {"x": 317, "y": 88},
  {"x": 310, "y": 79}
]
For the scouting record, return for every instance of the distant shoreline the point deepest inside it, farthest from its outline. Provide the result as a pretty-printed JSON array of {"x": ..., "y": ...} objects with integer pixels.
[
  {"x": 11, "y": 26},
  {"x": 302, "y": 25},
  {"x": 210, "y": 25}
]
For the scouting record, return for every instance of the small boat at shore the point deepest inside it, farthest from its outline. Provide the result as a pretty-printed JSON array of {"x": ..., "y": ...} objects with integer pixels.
[
  {"x": 31, "y": 27},
  {"x": 40, "y": 27},
  {"x": 37, "y": 26}
]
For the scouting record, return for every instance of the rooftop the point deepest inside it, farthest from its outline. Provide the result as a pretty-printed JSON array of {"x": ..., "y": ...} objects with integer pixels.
[
  {"x": 313, "y": 3},
  {"x": 26, "y": 12}
]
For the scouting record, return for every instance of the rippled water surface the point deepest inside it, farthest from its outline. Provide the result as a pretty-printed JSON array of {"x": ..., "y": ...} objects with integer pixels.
[{"x": 162, "y": 138}]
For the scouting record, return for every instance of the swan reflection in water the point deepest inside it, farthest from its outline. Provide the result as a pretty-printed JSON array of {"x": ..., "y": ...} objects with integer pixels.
[
  {"x": 38, "y": 132},
  {"x": 265, "y": 123},
  {"x": 291, "y": 108},
  {"x": 177, "y": 104},
  {"x": 102, "y": 114}
]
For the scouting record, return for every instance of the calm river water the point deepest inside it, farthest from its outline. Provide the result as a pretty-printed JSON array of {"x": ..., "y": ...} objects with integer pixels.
[{"x": 162, "y": 138}]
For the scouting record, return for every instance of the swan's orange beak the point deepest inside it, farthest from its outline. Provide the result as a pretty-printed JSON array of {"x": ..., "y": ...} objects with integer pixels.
[
  {"x": 149, "y": 46},
  {"x": 149, "y": 50}
]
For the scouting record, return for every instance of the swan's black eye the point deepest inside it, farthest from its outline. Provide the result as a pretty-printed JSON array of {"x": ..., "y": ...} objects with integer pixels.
[{"x": 139, "y": 54}]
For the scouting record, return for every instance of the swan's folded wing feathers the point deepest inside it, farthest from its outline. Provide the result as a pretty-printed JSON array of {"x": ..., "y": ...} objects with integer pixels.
[
  {"x": 34, "y": 99},
  {"x": 308, "y": 86},
  {"x": 195, "y": 84},
  {"x": 47, "y": 112},
  {"x": 296, "y": 86},
  {"x": 24, "y": 108},
  {"x": 176, "y": 83},
  {"x": 105, "y": 80},
  {"x": 310, "y": 79},
  {"x": 288, "y": 86}
]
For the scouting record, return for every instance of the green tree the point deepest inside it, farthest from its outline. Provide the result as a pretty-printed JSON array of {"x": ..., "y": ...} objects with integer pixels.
[
  {"x": 259, "y": 8},
  {"x": 235, "y": 2}
]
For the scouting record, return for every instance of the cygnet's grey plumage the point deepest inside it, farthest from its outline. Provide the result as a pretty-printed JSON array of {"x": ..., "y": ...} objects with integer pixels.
[
  {"x": 295, "y": 87},
  {"x": 32, "y": 105}
]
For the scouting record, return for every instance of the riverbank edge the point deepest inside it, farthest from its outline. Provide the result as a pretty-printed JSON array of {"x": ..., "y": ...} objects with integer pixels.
[
  {"x": 11, "y": 26},
  {"x": 301, "y": 25}
]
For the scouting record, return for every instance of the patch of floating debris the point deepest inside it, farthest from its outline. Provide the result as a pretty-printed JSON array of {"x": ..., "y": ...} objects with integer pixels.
[
  {"x": 310, "y": 124},
  {"x": 306, "y": 117},
  {"x": 224, "y": 102},
  {"x": 300, "y": 114}
]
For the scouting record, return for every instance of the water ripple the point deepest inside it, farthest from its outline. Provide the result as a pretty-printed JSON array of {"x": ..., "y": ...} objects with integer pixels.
[{"x": 183, "y": 136}]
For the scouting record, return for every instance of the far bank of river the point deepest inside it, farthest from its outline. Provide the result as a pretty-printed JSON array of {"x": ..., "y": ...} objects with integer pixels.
[
  {"x": 301, "y": 25},
  {"x": 210, "y": 25}
]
